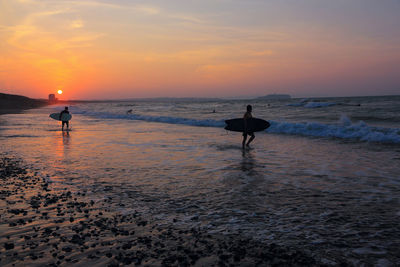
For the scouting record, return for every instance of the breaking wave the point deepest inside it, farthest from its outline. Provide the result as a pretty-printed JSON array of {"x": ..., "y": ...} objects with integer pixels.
[
  {"x": 312, "y": 104},
  {"x": 344, "y": 129},
  {"x": 162, "y": 119},
  {"x": 319, "y": 104}
]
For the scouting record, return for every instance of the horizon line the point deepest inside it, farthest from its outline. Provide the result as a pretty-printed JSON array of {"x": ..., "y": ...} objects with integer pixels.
[
  {"x": 203, "y": 98},
  {"x": 217, "y": 98}
]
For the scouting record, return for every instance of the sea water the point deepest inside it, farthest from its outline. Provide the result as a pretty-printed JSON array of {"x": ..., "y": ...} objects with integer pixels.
[{"x": 325, "y": 177}]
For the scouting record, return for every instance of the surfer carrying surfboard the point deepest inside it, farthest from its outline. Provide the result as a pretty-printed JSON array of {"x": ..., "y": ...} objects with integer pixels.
[
  {"x": 64, "y": 122},
  {"x": 247, "y": 125},
  {"x": 247, "y": 116}
]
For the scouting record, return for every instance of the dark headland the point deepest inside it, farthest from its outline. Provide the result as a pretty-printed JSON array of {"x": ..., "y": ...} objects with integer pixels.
[{"x": 16, "y": 103}]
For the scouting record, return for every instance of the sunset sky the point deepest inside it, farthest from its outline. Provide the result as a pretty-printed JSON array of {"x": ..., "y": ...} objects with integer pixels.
[{"x": 98, "y": 49}]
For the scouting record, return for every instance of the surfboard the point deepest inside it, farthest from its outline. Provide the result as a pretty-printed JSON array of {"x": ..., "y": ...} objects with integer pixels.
[
  {"x": 253, "y": 125},
  {"x": 56, "y": 116}
]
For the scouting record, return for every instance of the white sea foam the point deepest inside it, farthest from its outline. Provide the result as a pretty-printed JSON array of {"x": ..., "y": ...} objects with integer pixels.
[
  {"x": 312, "y": 104},
  {"x": 344, "y": 129},
  {"x": 319, "y": 104},
  {"x": 300, "y": 104},
  {"x": 162, "y": 119}
]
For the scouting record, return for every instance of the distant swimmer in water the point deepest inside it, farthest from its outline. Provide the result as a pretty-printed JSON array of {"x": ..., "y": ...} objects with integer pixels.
[
  {"x": 129, "y": 111},
  {"x": 247, "y": 116},
  {"x": 64, "y": 122}
]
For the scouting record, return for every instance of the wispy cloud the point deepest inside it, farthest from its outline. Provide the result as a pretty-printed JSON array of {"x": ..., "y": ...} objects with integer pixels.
[
  {"x": 86, "y": 3},
  {"x": 187, "y": 18},
  {"x": 148, "y": 10},
  {"x": 78, "y": 41},
  {"x": 34, "y": 32},
  {"x": 262, "y": 53},
  {"x": 140, "y": 8},
  {"x": 28, "y": 27},
  {"x": 76, "y": 24}
]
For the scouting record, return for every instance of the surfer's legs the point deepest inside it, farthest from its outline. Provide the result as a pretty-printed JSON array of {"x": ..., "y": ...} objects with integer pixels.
[
  {"x": 252, "y": 136},
  {"x": 244, "y": 139},
  {"x": 64, "y": 122}
]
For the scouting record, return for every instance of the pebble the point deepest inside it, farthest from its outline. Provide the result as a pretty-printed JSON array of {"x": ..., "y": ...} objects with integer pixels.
[{"x": 8, "y": 246}]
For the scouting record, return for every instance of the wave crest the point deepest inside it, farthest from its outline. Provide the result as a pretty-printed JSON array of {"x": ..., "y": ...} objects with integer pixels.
[{"x": 344, "y": 129}]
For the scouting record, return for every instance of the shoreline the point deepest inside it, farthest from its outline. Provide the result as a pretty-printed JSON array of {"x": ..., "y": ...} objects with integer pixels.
[{"x": 45, "y": 225}]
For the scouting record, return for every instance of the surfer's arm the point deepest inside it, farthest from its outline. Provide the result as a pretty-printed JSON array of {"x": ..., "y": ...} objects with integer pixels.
[
  {"x": 245, "y": 118},
  {"x": 61, "y": 113}
]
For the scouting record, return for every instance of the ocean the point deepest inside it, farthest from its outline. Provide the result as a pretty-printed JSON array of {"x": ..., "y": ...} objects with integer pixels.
[{"x": 324, "y": 178}]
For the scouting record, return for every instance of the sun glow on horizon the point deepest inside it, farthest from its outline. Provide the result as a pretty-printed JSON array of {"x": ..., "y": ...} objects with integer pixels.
[{"x": 59, "y": 92}]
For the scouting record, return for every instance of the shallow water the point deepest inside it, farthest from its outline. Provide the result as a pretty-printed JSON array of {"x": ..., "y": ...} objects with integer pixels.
[{"x": 335, "y": 197}]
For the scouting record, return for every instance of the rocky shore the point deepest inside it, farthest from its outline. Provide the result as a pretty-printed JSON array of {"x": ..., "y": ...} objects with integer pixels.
[{"x": 44, "y": 225}]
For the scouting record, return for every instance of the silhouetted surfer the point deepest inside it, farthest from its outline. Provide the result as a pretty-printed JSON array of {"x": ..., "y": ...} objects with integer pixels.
[
  {"x": 247, "y": 116},
  {"x": 64, "y": 122}
]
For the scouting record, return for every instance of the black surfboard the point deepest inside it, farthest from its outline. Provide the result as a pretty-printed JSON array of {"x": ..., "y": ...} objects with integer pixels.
[{"x": 253, "y": 125}]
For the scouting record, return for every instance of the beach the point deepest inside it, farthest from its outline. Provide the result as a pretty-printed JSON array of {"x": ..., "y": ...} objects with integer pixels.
[
  {"x": 168, "y": 186},
  {"x": 43, "y": 226}
]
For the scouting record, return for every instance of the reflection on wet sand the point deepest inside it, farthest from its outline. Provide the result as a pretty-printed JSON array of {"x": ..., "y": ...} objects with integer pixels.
[
  {"x": 63, "y": 144},
  {"x": 248, "y": 163}
]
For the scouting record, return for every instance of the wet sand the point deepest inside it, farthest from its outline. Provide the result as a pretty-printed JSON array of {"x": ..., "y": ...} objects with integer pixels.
[{"x": 42, "y": 224}]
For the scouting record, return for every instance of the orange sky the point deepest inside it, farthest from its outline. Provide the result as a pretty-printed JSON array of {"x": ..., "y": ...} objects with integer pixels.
[{"x": 94, "y": 49}]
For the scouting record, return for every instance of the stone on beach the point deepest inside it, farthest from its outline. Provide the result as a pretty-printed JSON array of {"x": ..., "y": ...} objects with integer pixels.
[{"x": 59, "y": 226}]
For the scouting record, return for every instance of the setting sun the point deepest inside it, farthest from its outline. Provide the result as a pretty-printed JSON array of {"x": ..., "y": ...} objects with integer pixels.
[{"x": 59, "y": 92}]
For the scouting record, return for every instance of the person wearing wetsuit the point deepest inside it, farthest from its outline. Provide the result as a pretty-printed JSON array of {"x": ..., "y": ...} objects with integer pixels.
[
  {"x": 64, "y": 122},
  {"x": 247, "y": 116}
]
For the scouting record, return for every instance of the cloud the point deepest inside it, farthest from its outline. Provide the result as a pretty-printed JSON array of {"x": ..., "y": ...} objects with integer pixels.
[
  {"x": 28, "y": 27},
  {"x": 26, "y": 1},
  {"x": 78, "y": 41},
  {"x": 76, "y": 24},
  {"x": 262, "y": 53},
  {"x": 147, "y": 10},
  {"x": 187, "y": 18},
  {"x": 89, "y": 3},
  {"x": 39, "y": 29}
]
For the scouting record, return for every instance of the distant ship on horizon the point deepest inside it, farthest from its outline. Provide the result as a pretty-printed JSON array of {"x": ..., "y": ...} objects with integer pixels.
[{"x": 275, "y": 96}]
